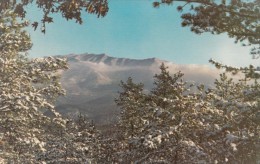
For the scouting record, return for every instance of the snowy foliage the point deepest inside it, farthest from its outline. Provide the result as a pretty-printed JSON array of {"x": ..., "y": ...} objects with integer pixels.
[
  {"x": 131, "y": 99},
  {"x": 178, "y": 125},
  {"x": 70, "y": 141},
  {"x": 28, "y": 87}
]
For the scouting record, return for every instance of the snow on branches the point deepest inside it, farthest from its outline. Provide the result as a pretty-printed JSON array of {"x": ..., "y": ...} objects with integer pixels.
[{"x": 178, "y": 123}]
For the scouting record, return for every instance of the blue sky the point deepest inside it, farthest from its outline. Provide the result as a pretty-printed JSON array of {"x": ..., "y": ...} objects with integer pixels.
[{"x": 134, "y": 29}]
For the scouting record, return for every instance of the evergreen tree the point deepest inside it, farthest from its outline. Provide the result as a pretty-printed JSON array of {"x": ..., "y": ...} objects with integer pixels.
[
  {"x": 28, "y": 87},
  {"x": 166, "y": 86},
  {"x": 215, "y": 125},
  {"x": 70, "y": 141},
  {"x": 172, "y": 114},
  {"x": 239, "y": 102},
  {"x": 168, "y": 113},
  {"x": 131, "y": 101}
]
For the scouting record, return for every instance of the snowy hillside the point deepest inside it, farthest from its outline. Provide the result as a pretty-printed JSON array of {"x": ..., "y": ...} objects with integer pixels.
[{"x": 92, "y": 82}]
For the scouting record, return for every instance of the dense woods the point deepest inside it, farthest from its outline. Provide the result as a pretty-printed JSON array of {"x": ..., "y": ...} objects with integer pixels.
[{"x": 175, "y": 122}]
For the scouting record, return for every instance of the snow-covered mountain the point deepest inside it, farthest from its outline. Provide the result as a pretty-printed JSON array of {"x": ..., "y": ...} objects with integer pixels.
[
  {"x": 112, "y": 61},
  {"x": 92, "y": 82}
]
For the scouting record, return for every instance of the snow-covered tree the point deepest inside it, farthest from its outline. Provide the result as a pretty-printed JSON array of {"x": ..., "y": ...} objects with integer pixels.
[
  {"x": 28, "y": 87},
  {"x": 70, "y": 141},
  {"x": 166, "y": 87},
  {"x": 172, "y": 113},
  {"x": 185, "y": 125},
  {"x": 167, "y": 113},
  {"x": 239, "y": 101},
  {"x": 130, "y": 100}
]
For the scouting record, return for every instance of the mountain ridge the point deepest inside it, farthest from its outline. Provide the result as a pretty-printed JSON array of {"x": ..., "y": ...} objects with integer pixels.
[{"x": 112, "y": 61}]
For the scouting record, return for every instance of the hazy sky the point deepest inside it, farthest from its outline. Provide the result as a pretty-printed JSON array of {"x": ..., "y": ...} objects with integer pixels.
[{"x": 134, "y": 29}]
